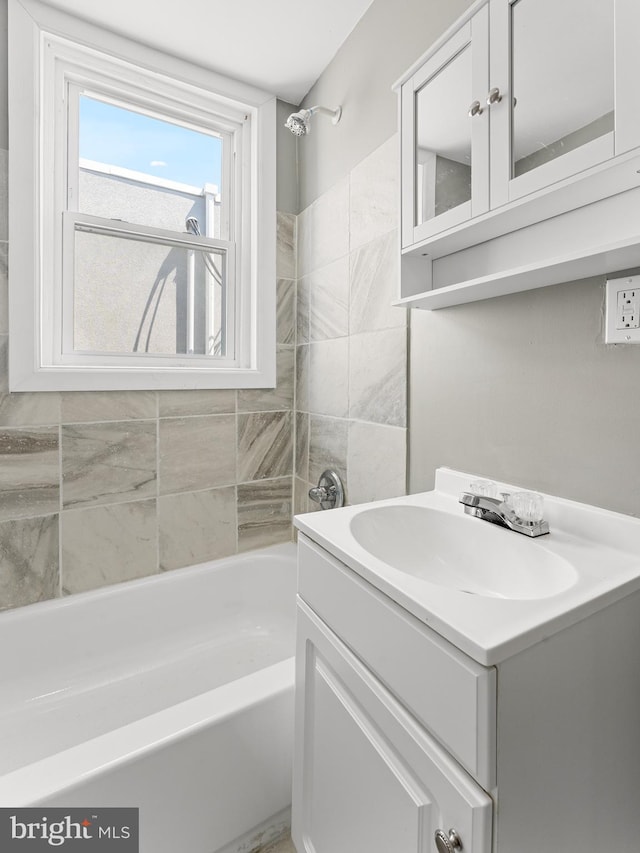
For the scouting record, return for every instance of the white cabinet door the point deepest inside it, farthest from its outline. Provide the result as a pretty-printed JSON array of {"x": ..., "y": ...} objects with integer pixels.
[
  {"x": 445, "y": 155},
  {"x": 367, "y": 777},
  {"x": 555, "y": 111}
]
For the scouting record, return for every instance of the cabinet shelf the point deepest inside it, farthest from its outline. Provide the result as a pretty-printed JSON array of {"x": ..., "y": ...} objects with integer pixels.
[
  {"x": 535, "y": 242},
  {"x": 624, "y": 254}
]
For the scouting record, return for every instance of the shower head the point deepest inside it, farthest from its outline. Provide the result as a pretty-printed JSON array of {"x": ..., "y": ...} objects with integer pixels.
[
  {"x": 192, "y": 225},
  {"x": 299, "y": 123}
]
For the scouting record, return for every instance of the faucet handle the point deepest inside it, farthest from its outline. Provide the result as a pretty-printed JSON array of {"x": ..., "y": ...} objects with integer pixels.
[
  {"x": 484, "y": 488},
  {"x": 528, "y": 506}
]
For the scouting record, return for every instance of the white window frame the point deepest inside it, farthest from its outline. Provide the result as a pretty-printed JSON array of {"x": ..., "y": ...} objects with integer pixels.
[{"x": 54, "y": 57}]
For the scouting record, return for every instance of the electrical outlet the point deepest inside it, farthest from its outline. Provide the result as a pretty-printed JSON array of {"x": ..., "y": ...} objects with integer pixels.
[
  {"x": 622, "y": 323},
  {"x": 627, "y": 316}
]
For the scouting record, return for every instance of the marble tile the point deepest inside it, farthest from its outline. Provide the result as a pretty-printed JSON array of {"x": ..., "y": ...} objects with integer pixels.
[
  {"x": 302, "y": 445},
  {"x": 178, "y": 404},
  {"x": 286, "y": 245},
  {"x": 29, "y": 472},
  {"x": 108, "y": 544},
  {"x": 196, "y": 527},
  {"x": 265, "y": 446},
  {"x": 108, "y": 463},
  {"x": 329, "y": 301},
  {"x": 28, "y": 561},
  {"x": 30, "y": 409},
  {"x": 376, "y": 461},
  {"x": 4, "y": 364},
  {"x": 100, "y": 406},
  {"x": 285, "y": 311},
  {"x": 323, "y": 229},
  {"x": 327, "y": 446},
  {"x": 378, "y": 377},
  {"x": 374, "y": 277},
  {"x": 329, "y": 378},
  {"x": 264, "y": 513},
  {"x": 301, "y": 502},
  {"x": 272, "y": 399},
  {"x": 374, "y": 201},
  {"x": 303, "y": 297},
  {"x": 4, "y": 288},
  {"x": 283, "y": 845},
  {"x": 197, "y": 453},
  {"x": 4, "y": 192},
  {"x": 302, "y": 378},
  {"x": 25, "y": 409}
]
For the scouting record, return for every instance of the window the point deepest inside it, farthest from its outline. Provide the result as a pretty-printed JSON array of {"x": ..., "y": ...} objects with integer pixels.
[{"x": 145, "y": 248}]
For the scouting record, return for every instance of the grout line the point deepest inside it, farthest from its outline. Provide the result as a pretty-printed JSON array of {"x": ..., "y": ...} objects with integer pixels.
[
  {"x": 146, "y": 420},
  {"x": 60, "y": 508},
  {"x": 158, "y": 555},
  {"x": 237, "y": 459}
]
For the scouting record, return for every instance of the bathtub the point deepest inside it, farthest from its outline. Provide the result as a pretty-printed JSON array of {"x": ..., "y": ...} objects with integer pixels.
[{"x": 173, "y": 693}]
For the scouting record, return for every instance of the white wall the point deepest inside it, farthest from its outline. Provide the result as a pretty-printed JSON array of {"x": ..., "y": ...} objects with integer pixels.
[{"x": 287, "y": 162}]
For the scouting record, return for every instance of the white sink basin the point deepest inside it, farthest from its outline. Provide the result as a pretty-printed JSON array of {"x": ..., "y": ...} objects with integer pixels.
[
  {"x": 461, "y": 553},
  {"x": 488, "y": 590}
]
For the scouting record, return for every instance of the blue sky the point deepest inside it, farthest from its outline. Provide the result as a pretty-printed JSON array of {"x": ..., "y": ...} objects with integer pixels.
[{"x": 132, "y": 140}]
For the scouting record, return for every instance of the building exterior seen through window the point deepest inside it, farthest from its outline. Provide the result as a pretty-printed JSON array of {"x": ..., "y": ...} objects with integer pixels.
[{"x": 136, "y": 296}]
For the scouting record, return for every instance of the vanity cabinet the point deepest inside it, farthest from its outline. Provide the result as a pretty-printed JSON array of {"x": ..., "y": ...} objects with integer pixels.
[
  {"x": 373, "y": 773},
  {"x": 400, "y": 735},
  {"x": 371, "y": 779},
  {"x": 524, "y": 112}
]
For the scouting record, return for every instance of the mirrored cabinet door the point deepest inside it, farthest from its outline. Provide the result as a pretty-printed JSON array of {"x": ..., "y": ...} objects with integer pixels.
[
  {"x": 553, "y": 113},
  {"x": 443, "y": 140},
  {"x": 448, "y": 135}
]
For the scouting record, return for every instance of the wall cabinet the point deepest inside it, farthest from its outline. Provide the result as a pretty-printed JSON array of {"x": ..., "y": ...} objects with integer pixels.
[
  {"x": 523, "y": 112},
  {"x": 400, "y": 735}
]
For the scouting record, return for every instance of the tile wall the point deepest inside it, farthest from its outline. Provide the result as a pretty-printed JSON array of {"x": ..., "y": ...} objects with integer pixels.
[
  {"x": 351, "y": 346},
  {"x": 101, "y": 487}
]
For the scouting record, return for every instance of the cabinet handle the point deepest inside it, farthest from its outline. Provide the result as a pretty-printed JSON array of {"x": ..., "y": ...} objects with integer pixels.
[
  {"x": 475, "y": 109},
  {"x": 447, "y": 843},
  {"x": 494, "y": 97}
]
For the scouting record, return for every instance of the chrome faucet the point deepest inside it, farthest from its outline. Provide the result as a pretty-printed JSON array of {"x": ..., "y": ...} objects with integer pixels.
[{"x": 498, "y": 511}]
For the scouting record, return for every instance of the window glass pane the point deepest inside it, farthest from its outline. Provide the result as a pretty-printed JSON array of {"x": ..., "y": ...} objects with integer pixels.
[
  {"x": 147, "y": 170},
  {"x": 132, "y": 296},
  {"x": 562, "y": 76},
  {"x": 443, "y": 150}
]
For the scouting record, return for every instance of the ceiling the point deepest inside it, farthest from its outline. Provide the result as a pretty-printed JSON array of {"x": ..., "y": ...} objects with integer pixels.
[{"x": 279, "y": 45}]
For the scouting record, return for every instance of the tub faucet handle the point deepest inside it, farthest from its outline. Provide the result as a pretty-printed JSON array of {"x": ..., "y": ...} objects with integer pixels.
[{"x": 329, "y": 492}]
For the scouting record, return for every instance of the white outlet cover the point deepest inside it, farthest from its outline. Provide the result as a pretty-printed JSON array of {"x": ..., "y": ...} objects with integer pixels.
[{"x": 614, "y": 335}]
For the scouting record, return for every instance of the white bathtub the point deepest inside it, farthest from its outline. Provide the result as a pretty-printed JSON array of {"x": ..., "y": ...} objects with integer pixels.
[{"x": 173, "y": 693}]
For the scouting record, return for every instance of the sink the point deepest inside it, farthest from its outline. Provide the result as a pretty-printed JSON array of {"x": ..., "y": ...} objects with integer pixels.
[
  {"x": 490, "y": 591},
  {"x": 461, "y": 553}
]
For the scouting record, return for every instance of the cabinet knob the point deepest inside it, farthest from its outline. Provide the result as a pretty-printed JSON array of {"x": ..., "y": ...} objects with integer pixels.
[
  {"x": 475, "y": 109},
  {"x": 447, "y": 843},
  {"x": 494, "y": 97}
]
